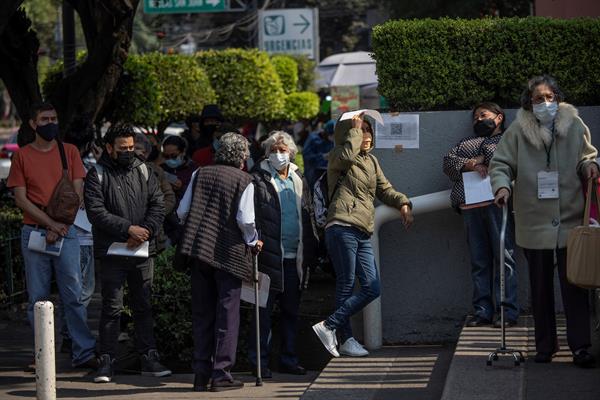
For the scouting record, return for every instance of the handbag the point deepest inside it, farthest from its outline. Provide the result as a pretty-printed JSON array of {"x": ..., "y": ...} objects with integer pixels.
[
  {"x": 583, "y": 248},
  {"x": 64, "y": 202}
]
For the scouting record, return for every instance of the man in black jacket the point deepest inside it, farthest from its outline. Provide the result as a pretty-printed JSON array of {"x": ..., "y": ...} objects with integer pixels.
[{"x": 124, "y": 204}]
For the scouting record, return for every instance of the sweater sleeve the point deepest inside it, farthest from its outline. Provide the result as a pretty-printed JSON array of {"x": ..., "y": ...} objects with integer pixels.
[
  {"x": 343, "y": 155},
  {"x": 503, "y": 166},
  {"x": 453, "y": 164}
]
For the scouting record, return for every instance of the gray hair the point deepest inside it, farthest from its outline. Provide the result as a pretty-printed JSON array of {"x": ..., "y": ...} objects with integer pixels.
[
  {"x": 233, "y": 150},
  {"x": 141, "y": 138},
  {"x": 535, "y": 82},
  {"x": 280, "y": 136}
]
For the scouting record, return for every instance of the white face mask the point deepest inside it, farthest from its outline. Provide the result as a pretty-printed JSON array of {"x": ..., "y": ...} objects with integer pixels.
[
  {"x": 279, "y": 160},
  {"x": 545, "y": 112}
]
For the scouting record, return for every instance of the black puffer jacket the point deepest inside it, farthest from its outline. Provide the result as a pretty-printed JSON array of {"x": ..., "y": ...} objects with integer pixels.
[
  {"x": 268, "y": 222},
  {"x": 125, "y": 197}
]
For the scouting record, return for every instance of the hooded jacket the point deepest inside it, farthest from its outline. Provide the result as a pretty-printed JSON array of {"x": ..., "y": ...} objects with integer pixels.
[
  {"x": 125, "y": 197},
  {"x": 521, "y": 154},
  {"x": 268, "y": 222},
  {"x": 352, "y": 200}
]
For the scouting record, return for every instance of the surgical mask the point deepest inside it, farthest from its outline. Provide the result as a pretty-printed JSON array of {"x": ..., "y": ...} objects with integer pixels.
[
  {"x": 484, "y": 127},
  {"x": 47, "y": 132},
  {"x": 546, "y": 111},
  {"x": 125, "y": 158},
  {"x": 216, "y": 144},
  {"x": 174, "y": 162},
  {"x": 279, "y": 160}
]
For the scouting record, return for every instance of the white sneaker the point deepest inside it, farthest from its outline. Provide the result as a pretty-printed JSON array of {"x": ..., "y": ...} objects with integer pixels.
[
  {"x": 327, "y": 337},
  {"x": 353, "y": 349}
]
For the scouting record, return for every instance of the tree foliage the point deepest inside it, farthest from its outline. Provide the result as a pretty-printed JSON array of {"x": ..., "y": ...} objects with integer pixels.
[
  {"x": 301, "y": 105},
  {"x": 455, "y": 63},
  {"x": 287, "y": 69}
]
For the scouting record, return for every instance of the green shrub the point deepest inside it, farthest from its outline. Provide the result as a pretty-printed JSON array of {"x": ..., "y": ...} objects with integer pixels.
[
  {"x": 301, "y": 105},
  {"x": 306, "y": 73},
  {"x": 245, "y": 82},
  {"x": 287, "y": 69},
  {"x": 453, "y": 63}
]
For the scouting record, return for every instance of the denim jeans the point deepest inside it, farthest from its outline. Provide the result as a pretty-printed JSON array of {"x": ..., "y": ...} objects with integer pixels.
[
  {"x": 352, "y": 257},
  {"x": 289, "y": 303},
  {"x": 86, "y": 254},
  {"x": 38, "y": 273},
  {"x": 138, "y": 273},
  {"x": 483, "y": 226}
]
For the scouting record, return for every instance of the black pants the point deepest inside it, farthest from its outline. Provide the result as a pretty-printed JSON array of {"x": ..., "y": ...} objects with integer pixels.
[
  {"x": 215, "y": 320},
  {"x": 138, "y": 273},
  {"x": 575, "y": 302}
]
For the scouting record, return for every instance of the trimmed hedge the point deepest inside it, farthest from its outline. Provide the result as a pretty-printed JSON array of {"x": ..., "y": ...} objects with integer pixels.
[
  {"x": 454, "y": 63},
  {"x": 287, "y": 69},
  {"x": 246, "y": 83},
  {"x": 301, "y": 105},
  {"x": 306, "y": 73}
]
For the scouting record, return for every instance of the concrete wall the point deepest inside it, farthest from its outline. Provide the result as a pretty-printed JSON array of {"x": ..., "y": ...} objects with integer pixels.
[
  {"x": 426, "y": 282},
  {"x": 567, "y": 8}
]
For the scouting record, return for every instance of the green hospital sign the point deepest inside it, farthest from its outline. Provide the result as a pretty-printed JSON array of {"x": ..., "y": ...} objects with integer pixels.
[{"x": 184, "y": 6}]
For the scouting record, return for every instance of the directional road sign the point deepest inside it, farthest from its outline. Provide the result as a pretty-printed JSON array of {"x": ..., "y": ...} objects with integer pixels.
[
  {"x": 184, "y": 6},
  {"x": 291, "y": 31}
]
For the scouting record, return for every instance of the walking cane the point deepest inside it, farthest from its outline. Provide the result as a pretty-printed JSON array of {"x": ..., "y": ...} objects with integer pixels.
[
  {"x": 502, "y": 350},
  {"x": 257, "y": 319}
]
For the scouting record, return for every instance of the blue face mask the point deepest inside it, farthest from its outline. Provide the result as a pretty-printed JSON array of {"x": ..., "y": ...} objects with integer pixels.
[
  {"x": 174, "y": 162},
  {"x": 216, "y": 144}
]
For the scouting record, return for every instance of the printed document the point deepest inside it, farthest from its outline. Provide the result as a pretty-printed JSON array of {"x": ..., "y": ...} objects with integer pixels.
[
  {"x": 37, "y": 242},
  {"x": 264, "y": 282},
  {"x": 121, "y": 249},
  {"x": 477, "y": 189}
]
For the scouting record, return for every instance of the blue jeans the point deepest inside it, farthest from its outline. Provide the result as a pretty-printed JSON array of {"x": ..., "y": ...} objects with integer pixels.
[
  {"x": 352, "y": 256},
  {"x": 289, "y": 304},
  {"x": 483, "y": 236},
  {"x": 86, "y": 254},
  {"x": 67, "y": 269}
]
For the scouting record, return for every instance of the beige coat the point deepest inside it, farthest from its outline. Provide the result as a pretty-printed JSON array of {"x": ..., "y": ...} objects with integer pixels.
[{"x": 521, "y": 154}]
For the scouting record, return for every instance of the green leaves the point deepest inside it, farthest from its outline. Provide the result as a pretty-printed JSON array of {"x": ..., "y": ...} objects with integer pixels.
[
  {"x": 301, "y": 105},
  {"x": 287, "y": 69},
  {"x": 454, "y": 63}
]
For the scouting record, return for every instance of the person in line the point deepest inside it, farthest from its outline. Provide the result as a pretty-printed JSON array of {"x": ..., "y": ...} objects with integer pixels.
[
  {"x": 177, "y": 166},
  {"x": 547, "y": 151},
  {"x": 282, "y": 205},
  {"x": 202, "y": 127},
  {"x": 218, "y": 238},
  {"x": 143, "y": 149},
  {"x": 35, "y": 171},
  {"x": 355, "y": 179},
  {"x": 124, "y": 204},
  {"x": 206, "y": 155},
  {"x": 483, "y": 221},
  {"x": 315, "y": 152}
]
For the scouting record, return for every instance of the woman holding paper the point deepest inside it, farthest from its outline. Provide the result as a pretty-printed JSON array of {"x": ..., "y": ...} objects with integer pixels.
[
  {"x": 468, "y": 162},
  {"x": 355, "y": 179},
  {"x": 550, "y": 147},
  {"x": 283, "y": 217}
]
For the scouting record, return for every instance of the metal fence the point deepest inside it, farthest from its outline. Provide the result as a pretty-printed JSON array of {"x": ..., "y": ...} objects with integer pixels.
[{"x": 12, "y": 271}]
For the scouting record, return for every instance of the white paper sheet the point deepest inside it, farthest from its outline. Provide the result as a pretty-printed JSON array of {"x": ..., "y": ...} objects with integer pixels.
[
  {"x": 121, "y": 249},
  {"x": 398, "y": 130},
  {"x": 371, "y": 113},
  {"x": 37, "y": 242},
  {"x": 264, "y": 283},
  {"x": 477, "y": 189},
  {"x": 82, "y": 221}
]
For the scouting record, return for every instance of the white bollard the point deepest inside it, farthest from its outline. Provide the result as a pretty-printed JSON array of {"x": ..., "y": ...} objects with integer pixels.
[{"x": 45, "y": 367}]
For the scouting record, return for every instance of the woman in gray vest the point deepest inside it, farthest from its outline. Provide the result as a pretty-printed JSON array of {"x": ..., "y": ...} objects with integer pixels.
[
  {"x": 219, "y": 236},
  {"x": 282, "y": 207}
]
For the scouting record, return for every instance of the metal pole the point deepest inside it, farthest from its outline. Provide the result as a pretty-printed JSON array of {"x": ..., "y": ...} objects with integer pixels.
[
  {"x": 257, "y": 319},
  {"x": 69, "y": 57},
  {"x": 45, "y": 367},
  {"x": 502, "y": 273}
]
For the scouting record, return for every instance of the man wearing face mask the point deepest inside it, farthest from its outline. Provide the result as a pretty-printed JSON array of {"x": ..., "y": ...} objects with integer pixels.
[
  {"x": 125, "y": 204},
  {"x": 483, "y": 220},
  {"x": 283, "y": 216},
  {"x": 35, "y": 172},
  {"x": 550, "y": 147}
]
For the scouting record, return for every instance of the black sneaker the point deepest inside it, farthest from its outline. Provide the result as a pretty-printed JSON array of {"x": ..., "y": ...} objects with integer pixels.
[
  {"x": 105, "y": 370},
  {"x": 584, "y": 359},
  {"x": 477, "y": 321},
  {"x": 508, "y": 323},
  {"x": 151, "y": 365},
  {"x": 221, "y": 386},
  {"x": 543, "y": 358},
  {"x": 200, "y": 383}
]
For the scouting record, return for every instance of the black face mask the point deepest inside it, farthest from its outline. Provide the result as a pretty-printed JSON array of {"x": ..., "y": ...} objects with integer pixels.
[
  {"x": 47, "y": 132},
  {"x": 208, "y": 130},
  {"x": 125, "y": 158},
  {"x": 484, "y": 127}
]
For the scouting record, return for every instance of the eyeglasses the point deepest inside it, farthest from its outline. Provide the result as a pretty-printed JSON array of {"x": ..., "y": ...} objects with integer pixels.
[{"x": 539, "y": 99}]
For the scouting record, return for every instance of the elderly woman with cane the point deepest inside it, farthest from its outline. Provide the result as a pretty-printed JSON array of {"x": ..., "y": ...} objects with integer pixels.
[
  {"x": 219, "y": 237},
  {"x": 547, "y": 151}
]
